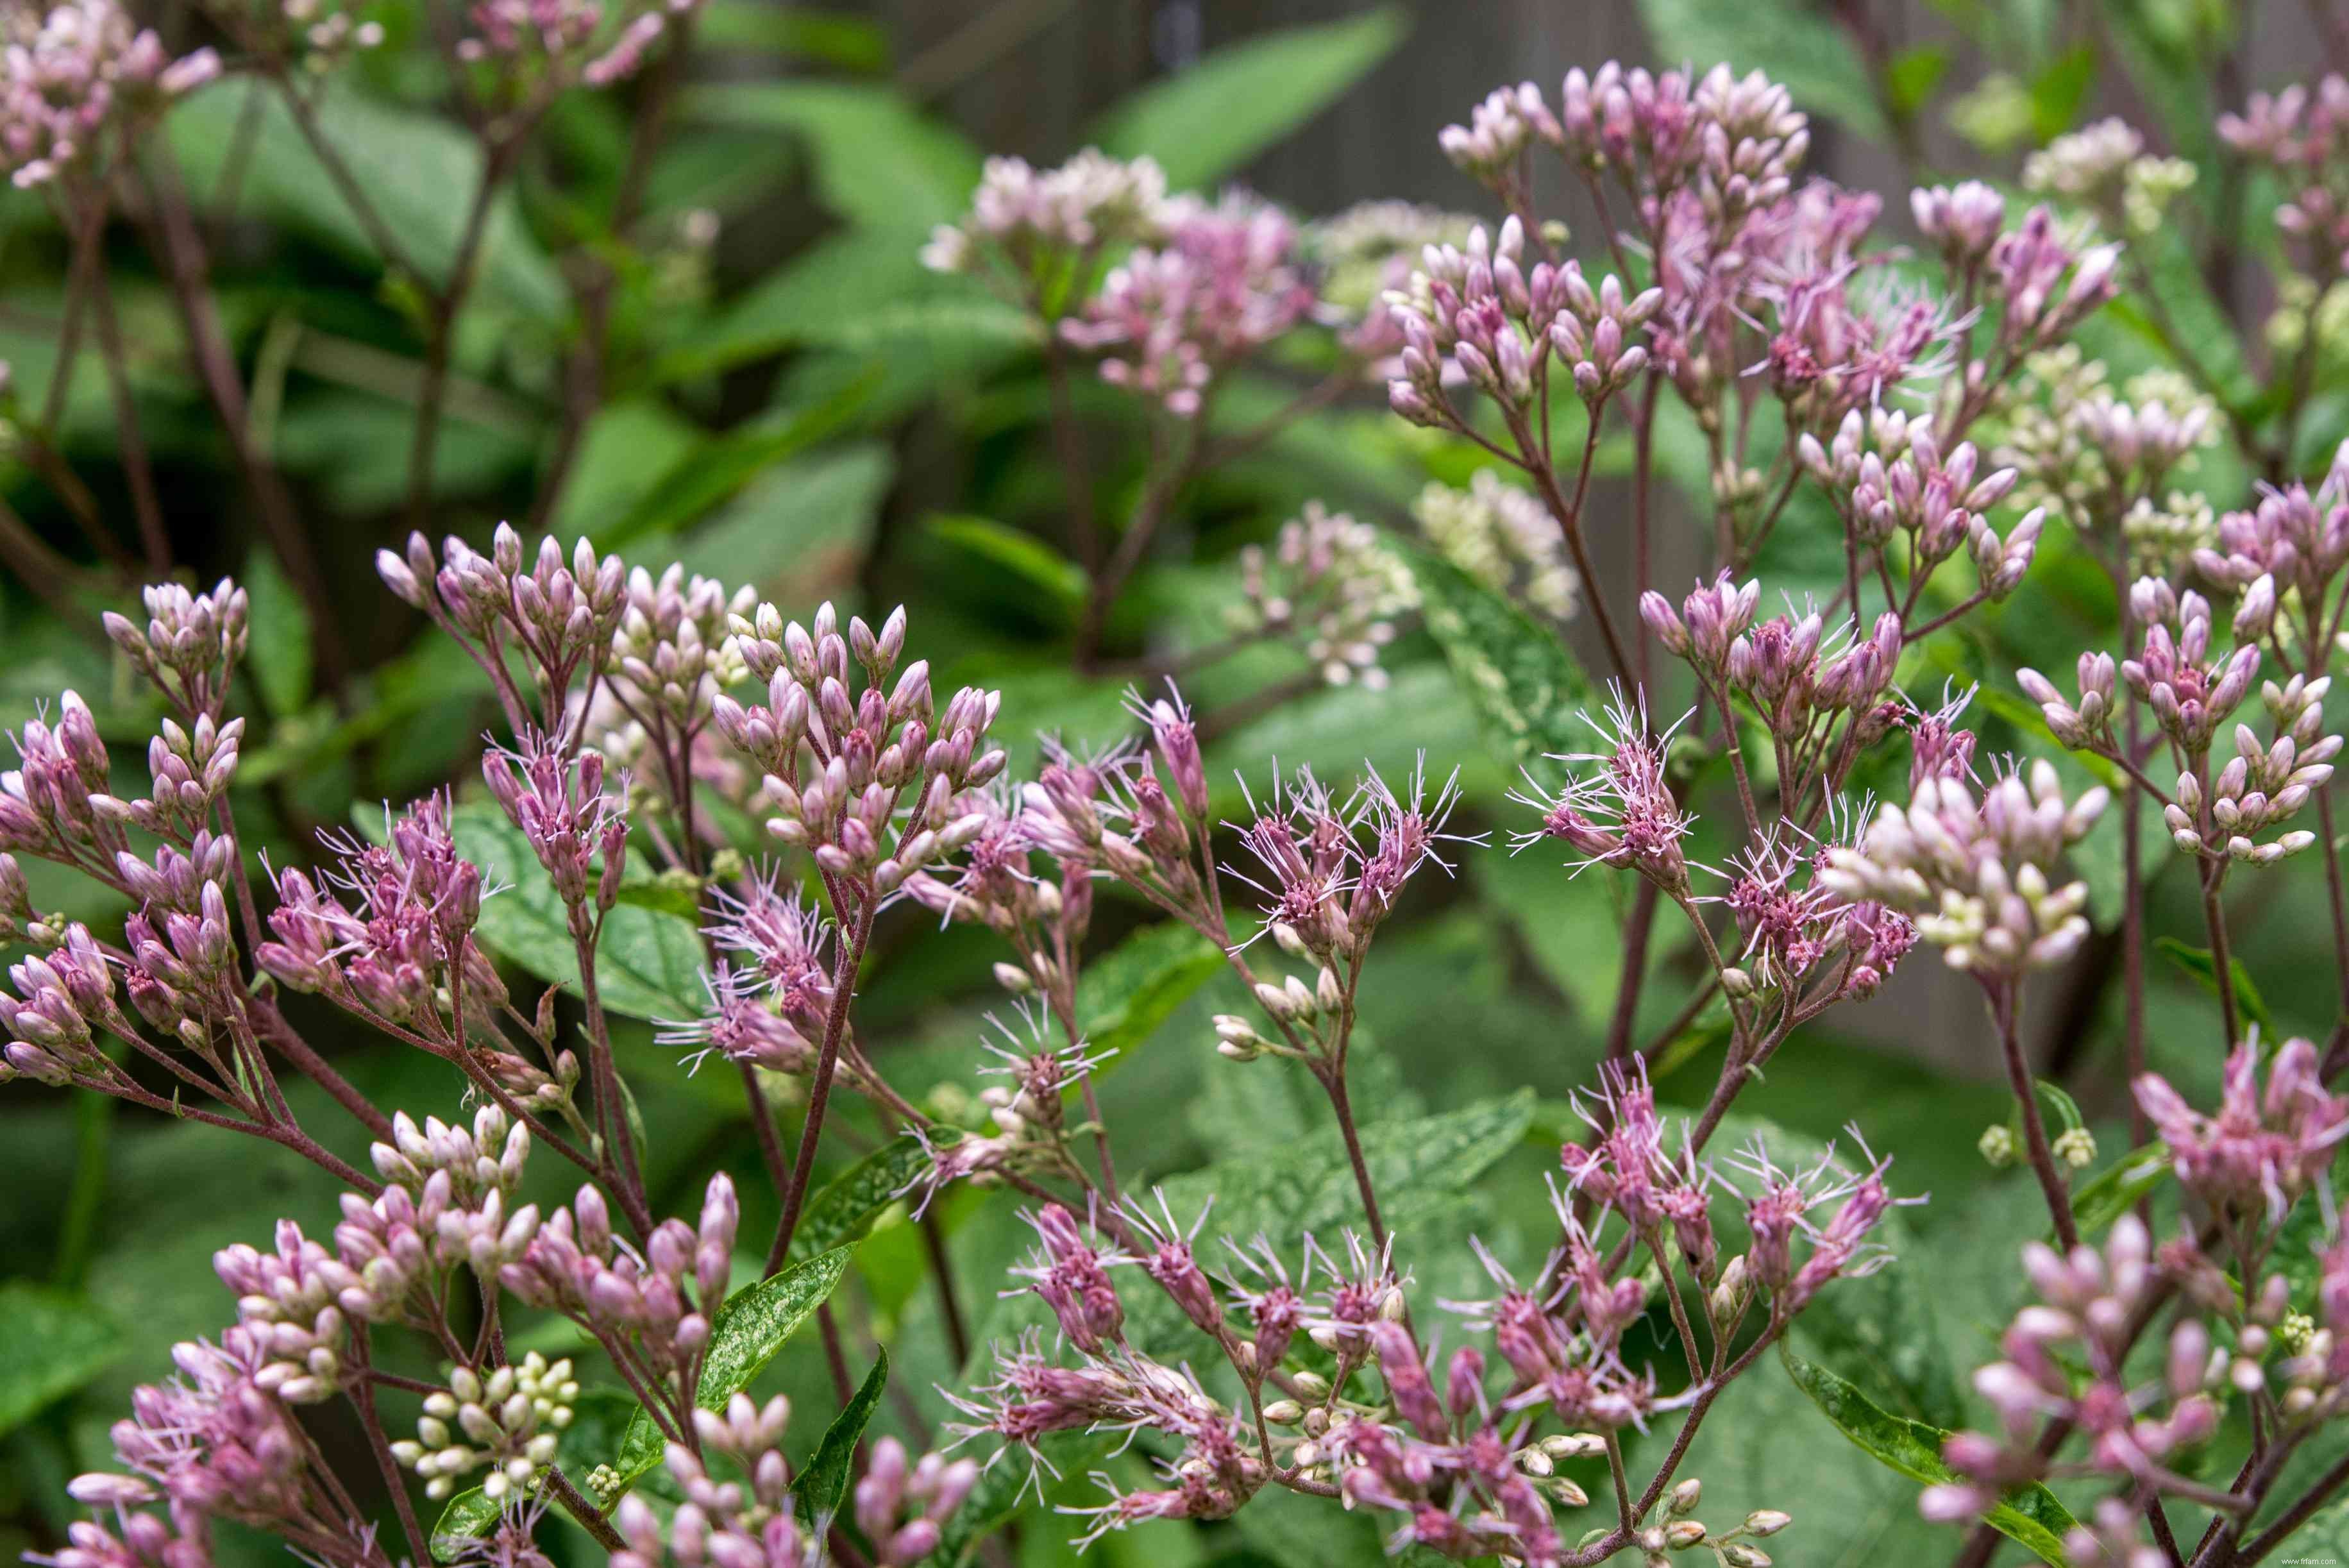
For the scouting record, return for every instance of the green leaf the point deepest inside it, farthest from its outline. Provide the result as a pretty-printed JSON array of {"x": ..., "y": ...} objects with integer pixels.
[
  {"x": 648, "y": 963},
  {"x": 2188, "y": 309},
  {"x": 713, "y": 472},
  {"x": 55, "y": 1342},
  {"x": 599, "y": 1421},
  {"x": 745, "y": 1335},
  {"x": 880, "y": 162},
  {"x": 823, "y": 1479},
  {"x": 1912, "y": 76},
  {"x": 2029, "y": 1515},
  {"x": 1342, "y": 728},
  {"x": 279, "y": 660},
  {"x": 1124, "y": 995},
  {"x": 800, "y": 532},
  {"x": 2115, "y": 1190},
  {"x": 1788, "y": 41},
  {"x": 1209, "y": 120},
  {"x": 468, "y": 1516},
  {"x": 2169, "y": 67},
  {"x": 1525, "y": 686},
  {"x": 626, "y": 448},
  {"x": 675, "y": 891},
  {"x": 843, "y": 1210},
  {"x": 1763, "y": 1446},
  {"x": 2058, "y": 91},
  {"x": 2204, "y": 969},
  {"x": 853, "y": 290},
  {"x": 1417, "y": 1167},
  {"x": 417, "y": 171},
  {"x": 2067, "y": 1109},
  {"x": 851, "y": 43},
  {"x": 1028, "y": 560}
]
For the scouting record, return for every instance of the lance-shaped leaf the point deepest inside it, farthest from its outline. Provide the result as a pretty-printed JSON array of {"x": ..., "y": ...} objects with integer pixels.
[
  {"x": 745, "y": 1335},
  {"x": 823, "y": 1479},
  {"x": 2115, "y": 1190},
  {"x": 468, "y": 1516},
  {"x": 2029, "y": 1515},
  {"x": 1205, "y": 122},
  {"x": 2204, "y": 969},
  {"x": 842, "y": 1212}
]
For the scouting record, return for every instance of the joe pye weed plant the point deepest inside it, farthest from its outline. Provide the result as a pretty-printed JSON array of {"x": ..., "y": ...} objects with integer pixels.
[{"x": 2022, "y": 583}]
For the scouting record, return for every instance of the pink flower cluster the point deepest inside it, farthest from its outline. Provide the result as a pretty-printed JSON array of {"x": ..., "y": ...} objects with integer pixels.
[
  {"x": 2303, "y": 136},
  {"x": 1224, "y": 280},
  {"x": 76, "y": 74}
]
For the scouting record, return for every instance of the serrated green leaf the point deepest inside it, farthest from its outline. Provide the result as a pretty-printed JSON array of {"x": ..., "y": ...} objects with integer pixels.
[
  {"x": 1416, "y": 1166},
  {"x": 2198, "y": 963},
  {"x": 54, "y": 1343},
  {"x": 1124, "y": 995},
  {"x": 748, "y": 1331},
  {"x": 843, "y": 1210},
  {"x": 1204, "y": 123},
  {"x": 2029, "y": 1515},
  {"x": 1524, "y": 684},
  {"x": 823, "y": 1479},
  {"x": 648, "y": 962}
]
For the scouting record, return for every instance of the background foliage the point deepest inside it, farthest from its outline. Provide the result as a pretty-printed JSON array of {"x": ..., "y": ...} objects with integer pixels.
[{"x": 801, "y": 407}]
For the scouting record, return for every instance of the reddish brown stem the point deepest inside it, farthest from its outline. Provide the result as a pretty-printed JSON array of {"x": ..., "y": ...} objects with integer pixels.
[
  {"x": 2005, "y": 1000},
  {"x": 835, "y": 1027}
]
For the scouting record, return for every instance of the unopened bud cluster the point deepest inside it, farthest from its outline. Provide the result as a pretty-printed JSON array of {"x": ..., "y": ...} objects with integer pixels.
[
  {"x": 862, "y": 769},
  {"x": 1504, "y": 537},
  {"x": 510, "y": 1420},
  {"x": 1329, "y": 587},
  {"x": 1979, "y": 868}
]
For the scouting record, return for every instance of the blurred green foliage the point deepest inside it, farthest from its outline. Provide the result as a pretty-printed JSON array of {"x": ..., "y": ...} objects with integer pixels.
[{"x": 842, "y": 423}]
